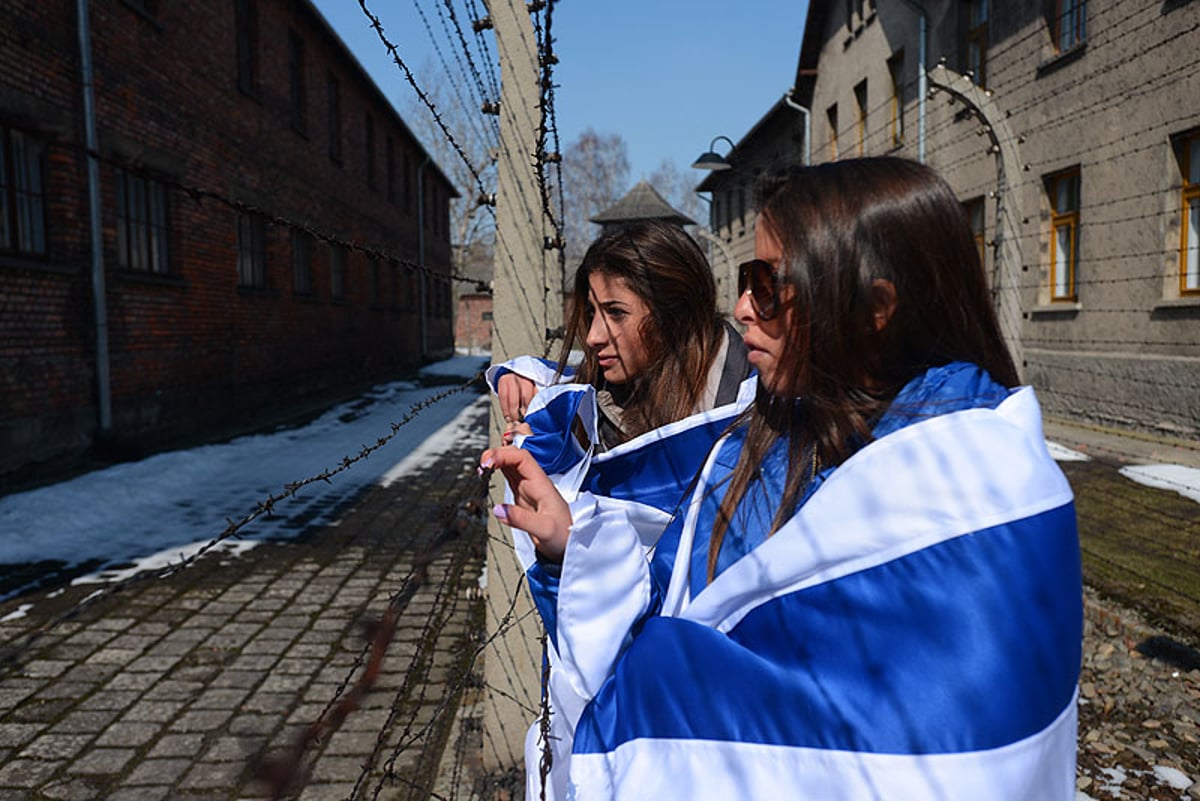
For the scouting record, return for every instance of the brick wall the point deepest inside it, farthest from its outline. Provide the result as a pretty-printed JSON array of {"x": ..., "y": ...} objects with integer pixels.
[
  {"x": 191, "y": 352},
  {"x": 473, "y": 323}
]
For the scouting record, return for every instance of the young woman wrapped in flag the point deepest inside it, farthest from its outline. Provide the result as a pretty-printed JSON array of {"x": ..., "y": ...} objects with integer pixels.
[
  {"x": 661, "y": 376},
  {"x": 873, "y": 591}
]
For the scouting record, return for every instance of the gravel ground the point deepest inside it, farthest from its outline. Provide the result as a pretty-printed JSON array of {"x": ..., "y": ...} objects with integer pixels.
[{"x": 1139, "y": 710}]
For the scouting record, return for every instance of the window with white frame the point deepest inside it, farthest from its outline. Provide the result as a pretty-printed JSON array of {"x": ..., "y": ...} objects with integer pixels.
[
  {"x": 22, "y": 193},
  {"x": 1189, "y": 245},
  {"x": 142, "y": 229},
  {"x": 1063, "y": 189}
]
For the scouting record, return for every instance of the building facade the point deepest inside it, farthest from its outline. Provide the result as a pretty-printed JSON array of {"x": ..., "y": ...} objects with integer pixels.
[
  {"x": 779, "y": 138},
  {"x": 1071, "y": 132},
  {"x": 211, "y": 215}
]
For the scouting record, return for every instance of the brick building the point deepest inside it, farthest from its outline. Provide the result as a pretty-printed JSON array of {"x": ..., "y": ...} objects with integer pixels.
[{"x": 260, "y": 210}]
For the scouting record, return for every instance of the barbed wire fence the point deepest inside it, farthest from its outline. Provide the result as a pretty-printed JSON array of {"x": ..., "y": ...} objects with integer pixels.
[
  {"x": 284, "y": 771},
  {"x": 515, "y": 663}
]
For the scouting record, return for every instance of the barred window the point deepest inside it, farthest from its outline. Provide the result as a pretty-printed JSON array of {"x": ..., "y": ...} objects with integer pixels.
[
  {"x": 245, "y": 14},
  {"x": 337, "y": 271},
  {"x": 148, "y": 7},
  {"x": 301, "y": 262},
  {"x": 334, "y": 92},
  {"x": 22, "y": 193},
  {"x": 389, "y": 166},
  {"x": 369, "y": 136},
  {"x": 297, "y": 90},
  {"x": 251, "y": 250},
  {"x": 142, "y": 230},
  {"x": 408, "y": 181}
]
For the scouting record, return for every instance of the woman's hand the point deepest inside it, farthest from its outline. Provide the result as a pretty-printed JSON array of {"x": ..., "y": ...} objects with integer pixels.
[
  {"x": 512, "y": 429},
  {"x": 515, "y": 392},
  {"x": 537, "y": 509}
]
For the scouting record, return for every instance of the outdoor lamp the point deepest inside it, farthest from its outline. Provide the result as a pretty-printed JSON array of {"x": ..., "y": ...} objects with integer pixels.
[{"x": 710, "y": 159}]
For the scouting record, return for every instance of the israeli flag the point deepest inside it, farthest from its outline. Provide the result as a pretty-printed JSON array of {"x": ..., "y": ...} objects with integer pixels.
[
  {"x": 913, "y": 633},
  {"x": 647, "y": 475},
  {"x": 645, "y": 478}
]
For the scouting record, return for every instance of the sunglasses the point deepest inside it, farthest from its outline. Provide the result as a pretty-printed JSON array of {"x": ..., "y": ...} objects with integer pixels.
[{"x": 760, "y": 279}]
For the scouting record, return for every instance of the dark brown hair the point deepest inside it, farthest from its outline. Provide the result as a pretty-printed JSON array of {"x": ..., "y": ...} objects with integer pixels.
[
  {"x": 665, "y": 267},
  {"x": 842, "y": 226}
]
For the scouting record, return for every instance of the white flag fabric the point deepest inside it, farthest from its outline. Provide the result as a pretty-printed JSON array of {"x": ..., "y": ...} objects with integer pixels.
[{"x": 914, "y": 632}]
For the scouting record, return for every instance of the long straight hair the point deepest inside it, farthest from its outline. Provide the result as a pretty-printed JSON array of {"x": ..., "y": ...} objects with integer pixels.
[
  {"x": 842, "y": 226},
  {"x": 664, "y": 267}
]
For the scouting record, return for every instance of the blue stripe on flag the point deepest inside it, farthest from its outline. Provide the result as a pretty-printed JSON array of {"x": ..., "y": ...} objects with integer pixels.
[
  {"x": 957, "y": 647},
  {"x": 657, "y": 473}
]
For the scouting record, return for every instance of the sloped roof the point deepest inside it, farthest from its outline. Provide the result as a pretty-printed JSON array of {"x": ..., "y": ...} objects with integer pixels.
[{"x": 643, "y": 202}]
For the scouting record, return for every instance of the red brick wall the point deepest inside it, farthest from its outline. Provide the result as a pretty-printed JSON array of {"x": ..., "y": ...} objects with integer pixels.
[
  {"x": 473, "y": 326},
  {"x": 192, "y": 351}
]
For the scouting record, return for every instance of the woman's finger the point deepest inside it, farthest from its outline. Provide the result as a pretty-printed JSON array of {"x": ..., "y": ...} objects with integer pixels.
[
  {"x": 508, "y": 391},
  {"x": 549, "y": 532},
  {"x": 527, "y": 391}
]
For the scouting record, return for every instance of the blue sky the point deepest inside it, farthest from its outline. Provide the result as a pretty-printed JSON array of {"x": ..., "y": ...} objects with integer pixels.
[{"x": 666, "y": 76}]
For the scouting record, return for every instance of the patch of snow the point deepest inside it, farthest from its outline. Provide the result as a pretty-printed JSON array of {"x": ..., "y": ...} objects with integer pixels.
[
  {"x": 1062, "y": 453},
  {"x": 1184, "y": 480},
  {"x": 1172, "y": 777}
]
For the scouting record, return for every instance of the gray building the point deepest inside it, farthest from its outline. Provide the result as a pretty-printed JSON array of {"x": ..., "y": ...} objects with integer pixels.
[{"x": 1071, "y": 132}]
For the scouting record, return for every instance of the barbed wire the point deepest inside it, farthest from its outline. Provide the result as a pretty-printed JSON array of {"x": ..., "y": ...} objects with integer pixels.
[
  {"x": 477, "y": 101},
  {"x": 394, "y": 52},
  {"x": 12, "y": 654},
  {"x": 466, "y": 50},
  {"x": 366, "y": 666},
  {"x": 200, "y": 194},
  {"x": 477, "y": 24}
]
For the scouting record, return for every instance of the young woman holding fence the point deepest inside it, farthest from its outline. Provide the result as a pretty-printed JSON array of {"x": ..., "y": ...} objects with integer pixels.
[
  {"x": 662, "y": 375},
  {"x": 654, "y": 346}
]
